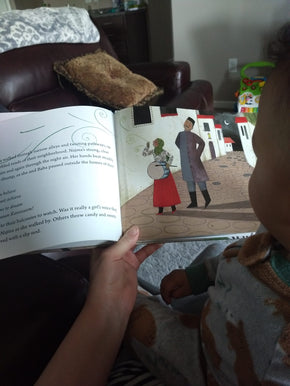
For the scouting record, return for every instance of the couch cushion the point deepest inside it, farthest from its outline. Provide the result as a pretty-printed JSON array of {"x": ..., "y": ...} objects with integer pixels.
[
  {"x": 28, "y": 71},
  {"x": 107, "y": 81},
  {"x": 52, "y": 99}
]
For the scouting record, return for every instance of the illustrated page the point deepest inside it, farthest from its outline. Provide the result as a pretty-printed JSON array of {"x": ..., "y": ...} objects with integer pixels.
[
  {"x": 58, "y": 180},
  {"x": 184, "y": 174}
]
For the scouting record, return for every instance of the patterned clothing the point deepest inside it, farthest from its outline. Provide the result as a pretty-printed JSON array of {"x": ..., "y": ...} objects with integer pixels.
[
  {"x": 132, "y": 373},
  {"x": 165, "y": 192},
  {"x": 245, "y": 325},
  {"x": 243, "y": 336}
]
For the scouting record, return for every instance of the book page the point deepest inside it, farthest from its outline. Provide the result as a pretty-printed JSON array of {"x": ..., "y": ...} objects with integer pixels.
[
  {"x": 58, "y": 180},
  {"x": 11, "y": 115},
  {"x": 219, "y": 171}
]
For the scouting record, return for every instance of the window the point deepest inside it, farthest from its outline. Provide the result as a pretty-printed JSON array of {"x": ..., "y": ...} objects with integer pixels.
[
  {"x": 246, "y": 131},
  {"x": 141, "y": 115},
  {"x": 206, "y": 126}
]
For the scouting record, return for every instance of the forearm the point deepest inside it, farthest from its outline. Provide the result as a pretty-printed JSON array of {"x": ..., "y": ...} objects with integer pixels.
[{"x": 87, "y": 353}]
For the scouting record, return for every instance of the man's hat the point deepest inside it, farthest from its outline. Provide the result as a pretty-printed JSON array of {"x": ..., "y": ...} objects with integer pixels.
[{"x": 191, "y": 120}]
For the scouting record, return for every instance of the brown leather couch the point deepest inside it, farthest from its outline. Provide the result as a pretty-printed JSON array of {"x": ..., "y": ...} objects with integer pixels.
[{"x": 28, "y": 82}]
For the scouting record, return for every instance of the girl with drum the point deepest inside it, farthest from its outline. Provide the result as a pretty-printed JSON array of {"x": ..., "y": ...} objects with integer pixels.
[{"x": 165, "y": 192}]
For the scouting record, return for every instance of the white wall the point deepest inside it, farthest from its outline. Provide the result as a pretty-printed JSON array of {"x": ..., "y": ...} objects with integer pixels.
[{"x": 208, "y": 32}]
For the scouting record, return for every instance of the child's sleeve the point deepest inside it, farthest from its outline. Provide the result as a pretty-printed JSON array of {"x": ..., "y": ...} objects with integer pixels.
[{"x": 202, "y": 275}]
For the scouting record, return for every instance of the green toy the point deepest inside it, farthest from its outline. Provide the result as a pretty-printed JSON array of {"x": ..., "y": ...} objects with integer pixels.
[{"x": 250, "y": 88}]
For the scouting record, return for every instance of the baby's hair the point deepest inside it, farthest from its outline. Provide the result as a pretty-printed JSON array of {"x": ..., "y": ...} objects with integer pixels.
[
  {"x": 278, "y": 87},
  {"x": 279, "y": 49},
  {"x": 279, "y": 52}
]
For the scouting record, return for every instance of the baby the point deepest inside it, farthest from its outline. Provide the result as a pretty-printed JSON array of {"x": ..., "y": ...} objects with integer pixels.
[{"x": 242, "y": 335}]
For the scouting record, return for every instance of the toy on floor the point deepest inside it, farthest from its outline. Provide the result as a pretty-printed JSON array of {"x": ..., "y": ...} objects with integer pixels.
[{"x": 250, "y": 88}]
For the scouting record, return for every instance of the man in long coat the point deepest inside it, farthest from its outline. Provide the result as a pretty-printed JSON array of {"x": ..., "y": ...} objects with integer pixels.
[{"x": 193, "y": 172}]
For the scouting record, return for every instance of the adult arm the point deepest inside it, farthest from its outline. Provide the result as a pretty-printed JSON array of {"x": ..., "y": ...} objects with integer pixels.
[
  {"x": 177, "y": 141},
  {"x": 200, "y": 144},
  {"x": 88, "y": 351}
]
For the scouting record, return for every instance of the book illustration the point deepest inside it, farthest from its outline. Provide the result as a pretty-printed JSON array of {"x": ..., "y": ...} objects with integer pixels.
[
  {"x": 237, "y": 131},
  {"x": 191, "y": 147},
  {"x": 165, "y": 193},
  {"x": 78, "y": 176},
  {"x": 228, "y": 173},
  {"x": 158, "y": 170}
]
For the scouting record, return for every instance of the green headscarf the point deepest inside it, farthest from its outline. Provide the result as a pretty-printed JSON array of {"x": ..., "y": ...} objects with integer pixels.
[{"x": 158, "y": 149}]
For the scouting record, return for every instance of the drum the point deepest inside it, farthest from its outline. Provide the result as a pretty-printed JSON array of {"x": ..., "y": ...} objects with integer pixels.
[{"x": 157, "y": 170}]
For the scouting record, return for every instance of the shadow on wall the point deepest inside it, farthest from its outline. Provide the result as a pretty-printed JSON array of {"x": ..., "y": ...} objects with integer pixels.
[
  {"x": 247, "y": 42},
  {"x": 24, "y": 4}
]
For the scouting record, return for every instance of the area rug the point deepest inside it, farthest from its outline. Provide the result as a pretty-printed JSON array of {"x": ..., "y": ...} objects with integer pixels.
[{"x": 173, "y": 256}]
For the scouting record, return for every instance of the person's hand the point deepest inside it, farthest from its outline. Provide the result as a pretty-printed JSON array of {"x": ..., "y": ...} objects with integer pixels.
[
  {"x": 175, "y": 285},
  {"x": 88, "y": 351},
  {"x": 113, "y": 273}
]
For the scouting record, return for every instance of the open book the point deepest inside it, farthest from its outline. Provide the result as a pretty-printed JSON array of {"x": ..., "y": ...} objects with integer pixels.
[{"x": 79, "y": 176}]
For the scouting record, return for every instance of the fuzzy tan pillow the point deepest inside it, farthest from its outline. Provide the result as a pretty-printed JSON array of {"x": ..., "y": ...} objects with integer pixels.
[{"x": 107, "y": 81}]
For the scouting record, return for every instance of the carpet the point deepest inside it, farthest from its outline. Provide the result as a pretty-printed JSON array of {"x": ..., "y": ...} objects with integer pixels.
[{"x": 173, "y": 256}]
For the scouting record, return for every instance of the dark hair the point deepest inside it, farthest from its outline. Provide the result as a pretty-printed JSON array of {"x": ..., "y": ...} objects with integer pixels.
[
  {"x": 279, "y": 86},
  {"x": 279, "y": 49}
]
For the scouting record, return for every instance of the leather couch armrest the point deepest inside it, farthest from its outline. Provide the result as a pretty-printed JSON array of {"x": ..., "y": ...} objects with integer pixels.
[
  {"x": 170, "y": 75},
  {"x": 197, "y": 96}
]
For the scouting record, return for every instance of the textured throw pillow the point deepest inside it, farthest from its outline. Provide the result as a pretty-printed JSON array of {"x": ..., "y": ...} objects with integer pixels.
[{"x": 107, "y": 81}]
